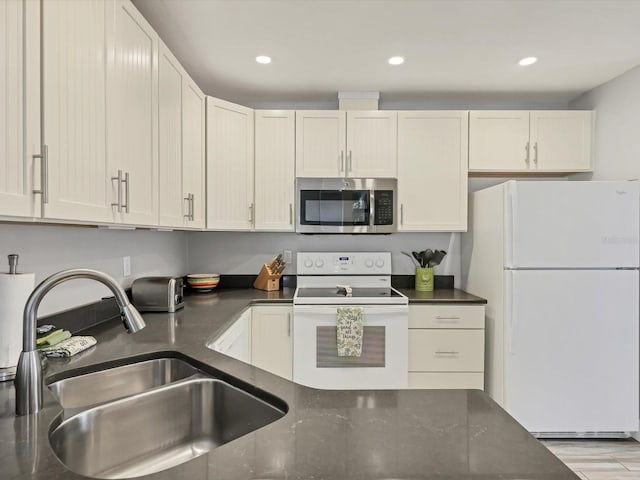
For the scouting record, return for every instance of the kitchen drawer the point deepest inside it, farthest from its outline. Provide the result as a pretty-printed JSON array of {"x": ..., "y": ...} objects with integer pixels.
[
  {"x": 446, "y": 316},
  {"x": 446, "y": 380},
  {"x": 446, "y": 350}
]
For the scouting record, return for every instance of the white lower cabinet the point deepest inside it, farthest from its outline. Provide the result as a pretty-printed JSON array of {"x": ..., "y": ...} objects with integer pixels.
[
  {"x": 236, "y": 340},
  {"x": 271, "y": 345},
  {"x": 446, "y": 346}
]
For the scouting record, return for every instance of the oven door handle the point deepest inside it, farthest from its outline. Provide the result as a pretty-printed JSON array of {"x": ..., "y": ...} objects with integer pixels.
[{"x": 368, "y": 309}]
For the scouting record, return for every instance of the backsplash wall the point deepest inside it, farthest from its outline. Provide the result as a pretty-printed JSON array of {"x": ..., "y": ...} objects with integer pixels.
[
  {"x": 48, "y": 249},
  {"x": 244, "y": 253}
]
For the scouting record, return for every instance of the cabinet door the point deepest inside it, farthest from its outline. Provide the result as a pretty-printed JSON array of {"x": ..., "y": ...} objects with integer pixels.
[
  {"x": 19, "y": 53},
  {"x": 229, "y": 166},
  {"x": 372, "y": 144},
  {"x": 432, "y": 170},
  {"x": 271, "y": 340},
  {"x": 320, "y": 143},
  {"x": 132, "y": 102},
  {"x": 499, "y": 141},
  {"x": 561, "y": 140},
  {"x": 170, "y": 161},
  {"x": 275, "y": 170},
  {"x": 193, "y": 151},
  {"x": 74, "y": 98}
]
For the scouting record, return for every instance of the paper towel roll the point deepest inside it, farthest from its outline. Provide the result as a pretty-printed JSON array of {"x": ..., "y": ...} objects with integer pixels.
[{"x": 14, "y": 292}]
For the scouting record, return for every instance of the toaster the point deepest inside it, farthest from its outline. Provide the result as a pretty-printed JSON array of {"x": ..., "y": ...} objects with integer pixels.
[{"x": 158, "y": 294}]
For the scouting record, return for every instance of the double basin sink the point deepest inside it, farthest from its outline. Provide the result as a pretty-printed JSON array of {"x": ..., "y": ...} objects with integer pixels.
[{"x": 150, "y": 415}]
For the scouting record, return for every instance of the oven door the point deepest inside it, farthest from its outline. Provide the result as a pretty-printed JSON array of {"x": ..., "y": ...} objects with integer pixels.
[{"x": 384, "y": 360}]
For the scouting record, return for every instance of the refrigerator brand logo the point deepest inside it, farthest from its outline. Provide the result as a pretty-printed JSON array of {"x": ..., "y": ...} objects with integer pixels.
[{"x": 620, "y": 240}]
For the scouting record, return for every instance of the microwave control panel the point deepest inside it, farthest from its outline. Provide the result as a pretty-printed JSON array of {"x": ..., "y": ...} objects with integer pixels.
[{"x": 383, "y": 208}]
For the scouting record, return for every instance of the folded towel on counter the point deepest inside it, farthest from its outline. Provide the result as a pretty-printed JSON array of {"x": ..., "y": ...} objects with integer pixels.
[
  {"x": 53, "y": 338},
  {"x": 349, "y": 331},
  {"x": 69, "y": 347}
]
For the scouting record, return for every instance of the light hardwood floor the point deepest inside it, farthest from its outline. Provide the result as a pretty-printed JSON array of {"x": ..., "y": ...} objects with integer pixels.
[{"x": 599, "y": 459}]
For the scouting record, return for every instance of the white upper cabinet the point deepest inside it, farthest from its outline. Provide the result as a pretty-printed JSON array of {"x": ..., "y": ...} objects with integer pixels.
[
  {"x": 230, "y": 203},
  {"x": 274, "y": 170},
  {"x": 18, "y": 46},
  {"x": 372, "y": 144},
  {"x": 170, "y": 78},
  {"x": 74, "y": 110},
  {"x": 193, "y": 154},
  {"x": 132, "y": 103},
  {"x": 530, "y": 142},
  {"x": 332, "y": 143},
  {"x": 320, "y": 143},
  {"x": 561, "y": 140},
  {"x": 181, "y": 140},
  {"x": 432, "y": 170}
]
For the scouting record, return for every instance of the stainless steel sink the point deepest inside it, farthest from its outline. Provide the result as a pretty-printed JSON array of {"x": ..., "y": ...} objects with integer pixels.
[
  {"x": 112, "y": 383},
  {"x": 159, "y": 429}
]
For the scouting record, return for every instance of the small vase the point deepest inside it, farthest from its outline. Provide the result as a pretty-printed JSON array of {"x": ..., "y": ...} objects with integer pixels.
[{"x": 424, "y": 279}]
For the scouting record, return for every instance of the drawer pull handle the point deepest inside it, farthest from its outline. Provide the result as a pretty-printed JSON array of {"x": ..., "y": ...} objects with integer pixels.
[
  {"x": 450, "y": 319},
  {"x": 447, "y": 352}
]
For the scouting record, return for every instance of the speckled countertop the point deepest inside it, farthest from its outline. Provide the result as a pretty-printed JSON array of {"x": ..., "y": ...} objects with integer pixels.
[{"x": 392, "y": 434}]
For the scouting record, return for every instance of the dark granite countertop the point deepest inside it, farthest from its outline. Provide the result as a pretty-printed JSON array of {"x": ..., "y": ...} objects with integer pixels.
[
  {"x": 442, "y": 295},
  {"x": 357, "y": 435}
]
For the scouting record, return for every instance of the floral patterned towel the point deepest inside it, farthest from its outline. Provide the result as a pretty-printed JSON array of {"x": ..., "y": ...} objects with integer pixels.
[
  {"x": 69, "y": 347},
  {"x": 349, "y": 332}
]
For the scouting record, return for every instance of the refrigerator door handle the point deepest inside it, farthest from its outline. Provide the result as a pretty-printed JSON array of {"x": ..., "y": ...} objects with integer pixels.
[
  {"x": 510, "y": 310},
  {"x": 511, "y": 214}
]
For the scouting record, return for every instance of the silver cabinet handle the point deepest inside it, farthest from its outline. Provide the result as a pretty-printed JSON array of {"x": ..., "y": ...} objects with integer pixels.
[
  {"x": 442, "y": 317},
  {"x": 535, "y": 153},
  {"x": 251, "y": 213},
  {"x": 193, "y": 207},
  {"x": 288, "y": 324},
  {"x": 447, "y": 352},
  {"x": 44, "y": 174},
  {"x": 526, "y": 148},
  {"x": 349, "y": 163},
  {"x": 126, "y": 191},
  {"x": 118, "y": 203},
  {"x": 402, "y": 214},
  {"x": 341, "y": 164},
  {"x": 188, "y": 200},
  {"x": 291, "y": 214}
]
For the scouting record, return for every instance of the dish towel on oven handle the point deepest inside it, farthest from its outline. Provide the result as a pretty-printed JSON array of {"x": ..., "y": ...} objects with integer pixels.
[{"x": 349, "y": 331}]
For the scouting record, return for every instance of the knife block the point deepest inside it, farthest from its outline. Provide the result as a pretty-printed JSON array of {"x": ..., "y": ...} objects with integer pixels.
[{"x": 267, "y": 280}]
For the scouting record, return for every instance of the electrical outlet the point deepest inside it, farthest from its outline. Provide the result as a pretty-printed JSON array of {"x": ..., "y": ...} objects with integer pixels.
[
  {"x": 126, "y": 266},
  {"x": 286, "y": 256}
]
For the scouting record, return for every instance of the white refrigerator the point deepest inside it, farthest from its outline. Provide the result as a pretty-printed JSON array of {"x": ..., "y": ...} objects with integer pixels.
[{"x": 558, "y": 263}]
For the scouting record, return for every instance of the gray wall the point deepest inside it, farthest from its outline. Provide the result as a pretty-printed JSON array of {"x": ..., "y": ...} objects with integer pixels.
[
  {"x": 617, "y": 133},
  {"x": 244, "y": 253},
  {"x": 48, "y": 249}
]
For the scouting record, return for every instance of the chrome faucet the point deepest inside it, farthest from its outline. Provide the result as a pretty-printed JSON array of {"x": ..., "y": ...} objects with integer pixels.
[{"x": 28, "y": 380}]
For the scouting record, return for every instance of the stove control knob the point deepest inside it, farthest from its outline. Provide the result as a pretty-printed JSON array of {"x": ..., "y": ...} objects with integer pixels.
[
  {"x": 368, "y": 263},
  {"x": 379, "y": 263},
  {"x": 308, "y": 263},
  {"x": 319, "y": 263}
]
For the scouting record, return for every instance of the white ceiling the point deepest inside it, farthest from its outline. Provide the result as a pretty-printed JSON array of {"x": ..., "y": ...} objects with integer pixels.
[{"x": 452, "y": 47}]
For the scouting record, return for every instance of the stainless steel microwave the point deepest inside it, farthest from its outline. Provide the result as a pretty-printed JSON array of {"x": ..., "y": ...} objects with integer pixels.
[{"x": 346, "y": 205}]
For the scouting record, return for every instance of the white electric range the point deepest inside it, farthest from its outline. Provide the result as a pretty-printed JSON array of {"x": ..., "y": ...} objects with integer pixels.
[{"x": 365, "y": 281}]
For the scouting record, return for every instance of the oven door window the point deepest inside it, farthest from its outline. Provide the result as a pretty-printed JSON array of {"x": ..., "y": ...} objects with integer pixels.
[{"x": 334, "y": 207}]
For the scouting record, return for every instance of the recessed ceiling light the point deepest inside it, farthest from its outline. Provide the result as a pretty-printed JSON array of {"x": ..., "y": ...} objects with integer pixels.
[
  {"x": 263, "y": 59},
  {"x": 527, "y": 61},
  {"x": 396, "y": 60}
]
